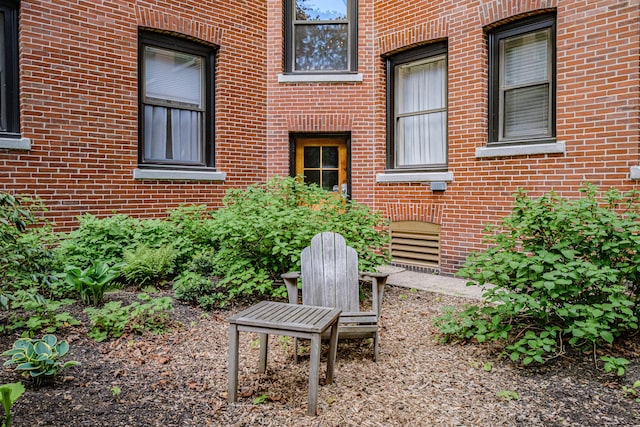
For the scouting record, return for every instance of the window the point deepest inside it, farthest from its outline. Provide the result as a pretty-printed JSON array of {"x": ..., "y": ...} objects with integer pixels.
[
  {"x": 522, "y": 81},
  {"x": 417, "y": 109},
  {"x": 176, "y": 102},
  {"x": 9, "y": 99},
  {"x": 321, "y": 36}
]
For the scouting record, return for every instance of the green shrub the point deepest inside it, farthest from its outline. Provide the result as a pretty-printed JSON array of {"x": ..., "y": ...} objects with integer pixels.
[
  {"x": 26, "y": 258},
  {"x": 103, "y": 239},
  {"x": 149, "y": 266},
  {"x": 187, "y": 230},
  {"x": 196, "y": 289},
  {"x": 202, "y": 263},
  {"x": 566, "y": 272},
  {"x": 39, "y": 359},
  {"x": 194, "y": 225},
  {"x": 261, "y": 231}
]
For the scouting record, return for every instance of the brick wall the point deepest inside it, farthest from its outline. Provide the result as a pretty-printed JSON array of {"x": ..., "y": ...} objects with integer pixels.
[
  {"x": 597, "y": 107},
  {"x": 79, "y": 83}
]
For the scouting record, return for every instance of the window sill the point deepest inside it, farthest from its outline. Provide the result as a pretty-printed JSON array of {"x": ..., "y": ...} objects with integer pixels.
[
  {"x": 634, "y": 172},
  {"x": 15, "y": 143},
  {"x": 177, "y": 175},
  {"x": 521, "y": 150},
  {"x": 415, "y": 177},
  {"x": 320, "y": 78}
]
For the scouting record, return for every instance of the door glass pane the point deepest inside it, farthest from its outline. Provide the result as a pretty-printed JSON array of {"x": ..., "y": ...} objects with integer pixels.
[
  {"x": 173, "y": 76},
  {"x": 321, "y": 47},
  {"x": 329, "y": 157},
  {"x": 311, "y": 157},
  {"x": 330, "y": 180},
  {"x": 526, "y": 111},
  {"x": 312, "y": 177},
  {"x": 321, "y": 10}
]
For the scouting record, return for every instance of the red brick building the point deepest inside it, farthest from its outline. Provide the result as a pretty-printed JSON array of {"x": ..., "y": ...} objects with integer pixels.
[{"x": 433, "y": 112}]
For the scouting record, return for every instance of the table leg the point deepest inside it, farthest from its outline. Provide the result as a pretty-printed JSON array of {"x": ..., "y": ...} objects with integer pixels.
[
  {"x": 232, "y": 391},
  {"x": 333, "y": 347},
  {"x": 264, "y": 346},
  {"x": 314, "y": 374}
]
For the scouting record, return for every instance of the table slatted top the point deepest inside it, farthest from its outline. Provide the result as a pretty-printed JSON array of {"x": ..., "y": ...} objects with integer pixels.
[{"x": 291, "y": 317}]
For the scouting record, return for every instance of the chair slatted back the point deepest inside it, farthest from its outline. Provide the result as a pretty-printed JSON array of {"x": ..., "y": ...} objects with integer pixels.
[{"x": 330, "y": 273}]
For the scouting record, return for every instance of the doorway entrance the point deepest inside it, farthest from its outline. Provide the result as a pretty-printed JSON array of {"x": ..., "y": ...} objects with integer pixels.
[{"x": 323, "y": 160}]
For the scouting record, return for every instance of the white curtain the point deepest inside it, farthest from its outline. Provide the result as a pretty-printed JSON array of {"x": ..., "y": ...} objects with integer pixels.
[
  {"x": 526, "y": 85},
  {"x": 184, "y": 141},
  {"x": 421, "y": 126},
  {"x": 173, "y": 133}
]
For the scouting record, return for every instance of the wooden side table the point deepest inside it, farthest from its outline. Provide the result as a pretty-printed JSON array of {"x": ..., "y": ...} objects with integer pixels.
[{"x": 300, "y": 321}]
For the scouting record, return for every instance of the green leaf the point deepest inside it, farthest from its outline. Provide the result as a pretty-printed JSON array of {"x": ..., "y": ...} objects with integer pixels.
[{"x": 607, "y": 336}]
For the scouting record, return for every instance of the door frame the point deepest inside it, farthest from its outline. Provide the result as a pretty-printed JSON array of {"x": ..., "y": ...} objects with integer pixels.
[{"x": 345, "y": 136}]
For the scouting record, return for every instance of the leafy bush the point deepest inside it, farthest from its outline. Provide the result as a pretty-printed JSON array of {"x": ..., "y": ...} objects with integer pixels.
[
  {"x": 199, "y": 290},
  {"x": 566, "y": 272},
  {"x": 149, "y": 266},
  {"x": 39, "y": 359},
  {"x": 26, "y": 258},
  {"x": 194, "y": 225},
  {"x": 261, "y": 230},
  {"x": 103, "y": 239},
  {"x": 92, "y": 282},
  {"x": 187, "y": 230}
]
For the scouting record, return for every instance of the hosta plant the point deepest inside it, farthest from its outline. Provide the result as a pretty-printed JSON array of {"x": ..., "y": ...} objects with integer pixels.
[
  {"x": 92, "y": 282},
  {"x": 39, "y": 359}
]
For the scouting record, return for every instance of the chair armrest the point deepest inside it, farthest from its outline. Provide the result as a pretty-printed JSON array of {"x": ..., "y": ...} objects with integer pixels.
[
  {"x": 378, "y": 281},
  {"x": 291, "y": 282}
]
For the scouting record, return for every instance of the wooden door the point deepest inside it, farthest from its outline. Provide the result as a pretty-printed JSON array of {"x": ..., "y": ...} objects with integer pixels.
[{"x": 323, "y": 161}]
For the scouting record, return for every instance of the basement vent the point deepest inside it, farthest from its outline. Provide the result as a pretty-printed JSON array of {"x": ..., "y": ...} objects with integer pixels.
[{"x": 415, "y": 243}]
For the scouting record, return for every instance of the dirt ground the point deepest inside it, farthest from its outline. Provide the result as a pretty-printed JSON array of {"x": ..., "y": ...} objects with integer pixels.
[{"x": 180, "y": 379}]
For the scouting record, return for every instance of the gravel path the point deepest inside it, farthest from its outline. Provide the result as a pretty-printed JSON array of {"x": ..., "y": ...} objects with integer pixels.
[{"x": 180, "y": 379}]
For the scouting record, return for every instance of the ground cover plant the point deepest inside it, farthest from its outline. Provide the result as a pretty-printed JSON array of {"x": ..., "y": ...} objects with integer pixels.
[{"x": 566, "y": 273}]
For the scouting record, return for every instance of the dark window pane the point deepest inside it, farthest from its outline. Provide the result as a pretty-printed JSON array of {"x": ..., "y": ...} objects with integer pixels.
[
  {"x": 329, "y": 157},
  {"x": 312, "y": 177},
  {"x": 329, "y": 180},
  {"x": 321, "y": 47},
  {"x": 321, "y": 10},
  {"x": 311, "y": 157}
]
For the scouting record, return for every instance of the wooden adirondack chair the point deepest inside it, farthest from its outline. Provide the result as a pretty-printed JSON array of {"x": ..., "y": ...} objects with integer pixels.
[{"x": 330, "y": 278}]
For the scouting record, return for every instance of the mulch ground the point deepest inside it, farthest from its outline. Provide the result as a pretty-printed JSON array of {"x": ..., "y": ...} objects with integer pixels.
[{"x": 180, "y": 379}]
